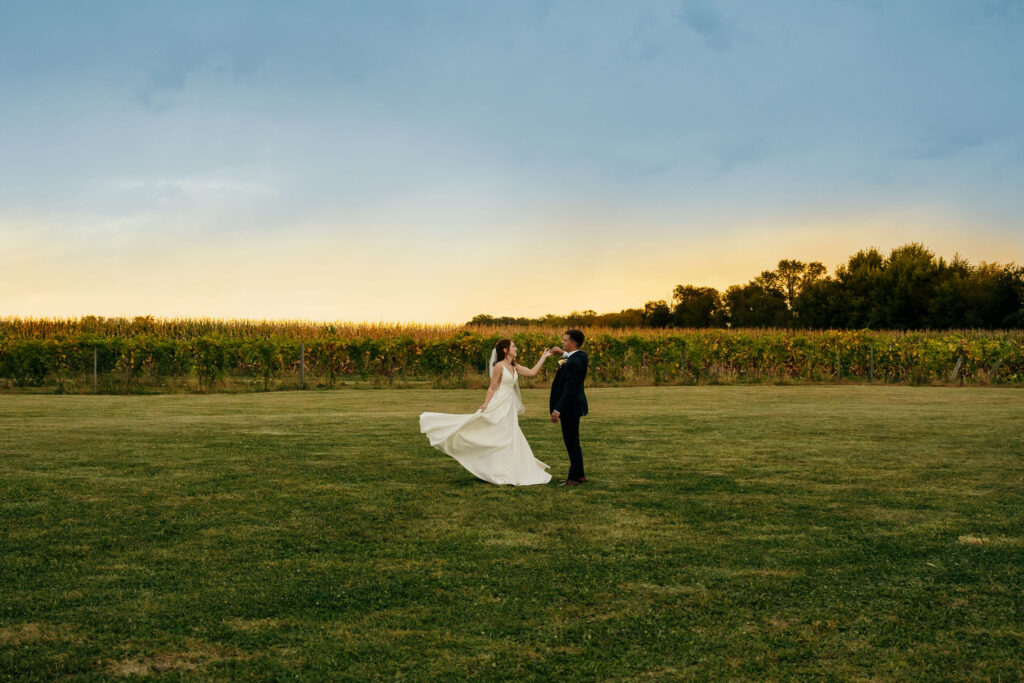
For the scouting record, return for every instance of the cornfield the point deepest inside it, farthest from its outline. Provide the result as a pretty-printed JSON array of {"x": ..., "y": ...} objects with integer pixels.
[{"x": 146, "y": 355}]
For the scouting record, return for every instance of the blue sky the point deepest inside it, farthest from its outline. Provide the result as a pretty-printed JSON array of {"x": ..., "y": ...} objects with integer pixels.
[{"x": 432, "y": 160}]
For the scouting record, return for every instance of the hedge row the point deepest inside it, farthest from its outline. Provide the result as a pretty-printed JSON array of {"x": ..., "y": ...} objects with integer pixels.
[{"x": 716, "y": 356}]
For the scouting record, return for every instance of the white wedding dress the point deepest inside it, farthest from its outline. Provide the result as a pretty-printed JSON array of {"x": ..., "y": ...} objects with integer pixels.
[{"x": 489, "y": 443}]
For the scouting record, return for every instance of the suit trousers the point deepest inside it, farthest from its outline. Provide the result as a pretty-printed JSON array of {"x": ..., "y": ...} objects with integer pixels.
[{"x": 571, "y": 436}]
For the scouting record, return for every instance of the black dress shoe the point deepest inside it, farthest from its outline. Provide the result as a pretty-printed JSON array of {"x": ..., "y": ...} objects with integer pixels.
[
  {"x": 581, "y": 479},
  {"x": 570, "y": 482}
]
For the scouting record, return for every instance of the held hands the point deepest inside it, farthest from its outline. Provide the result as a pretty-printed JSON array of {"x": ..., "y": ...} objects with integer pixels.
[{"x": 557, "y": 350}]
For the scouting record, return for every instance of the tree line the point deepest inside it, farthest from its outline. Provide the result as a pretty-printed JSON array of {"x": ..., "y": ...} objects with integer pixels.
[{"x": 909, "y": 289}]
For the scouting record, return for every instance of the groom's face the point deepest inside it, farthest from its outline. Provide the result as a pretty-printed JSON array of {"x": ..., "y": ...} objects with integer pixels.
[{"x": 567, "y": 343}]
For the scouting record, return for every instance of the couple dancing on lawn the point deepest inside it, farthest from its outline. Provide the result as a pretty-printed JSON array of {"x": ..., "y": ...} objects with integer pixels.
[{"x": 489, "y": 442}]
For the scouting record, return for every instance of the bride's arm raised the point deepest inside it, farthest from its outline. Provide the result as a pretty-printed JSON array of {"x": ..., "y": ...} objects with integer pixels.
[
  {"x": 495, "y": 382},
  {"x": 532, "y": 372}
]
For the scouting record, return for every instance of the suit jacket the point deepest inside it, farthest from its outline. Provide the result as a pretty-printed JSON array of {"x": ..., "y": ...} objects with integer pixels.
[{"x": 567, "y": 395}]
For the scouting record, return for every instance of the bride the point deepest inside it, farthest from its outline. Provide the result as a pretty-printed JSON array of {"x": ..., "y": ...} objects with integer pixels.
[{"x": 489, "y": 442}]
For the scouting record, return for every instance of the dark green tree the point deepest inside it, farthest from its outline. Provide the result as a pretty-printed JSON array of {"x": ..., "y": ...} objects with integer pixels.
[
  {"x": 695, "y": 306},
  {"x": 855, "y": 299},
  {"x": 906, "y": 287},
  {"x": 755, "y": 305},
  {"x": 657, "y": 314}
]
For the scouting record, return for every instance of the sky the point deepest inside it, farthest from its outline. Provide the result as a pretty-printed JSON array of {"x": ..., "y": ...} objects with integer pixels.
[{"x": 429, "y": 161}]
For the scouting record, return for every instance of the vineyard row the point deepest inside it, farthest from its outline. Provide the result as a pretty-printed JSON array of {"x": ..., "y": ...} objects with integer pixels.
[{"x": 150, "y": 362}]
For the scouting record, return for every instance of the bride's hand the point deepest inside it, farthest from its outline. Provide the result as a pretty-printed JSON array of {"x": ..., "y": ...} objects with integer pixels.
[
  {"x": 546, "y": 354},
  {"x": 482, "y": 408}
]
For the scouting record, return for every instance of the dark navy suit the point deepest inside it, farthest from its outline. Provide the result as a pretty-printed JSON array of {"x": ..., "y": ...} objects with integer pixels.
[{"x": 568, "y": 398}]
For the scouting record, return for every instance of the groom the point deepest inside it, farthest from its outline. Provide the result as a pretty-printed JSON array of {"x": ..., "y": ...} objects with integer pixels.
[{"x": 568, "y": 402}]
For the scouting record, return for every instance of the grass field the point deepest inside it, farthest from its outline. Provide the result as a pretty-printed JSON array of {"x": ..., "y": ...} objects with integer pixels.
[{"x": 739, "y": 532}]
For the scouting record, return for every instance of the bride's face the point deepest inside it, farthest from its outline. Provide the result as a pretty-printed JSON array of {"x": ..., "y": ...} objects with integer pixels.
[{"x": 512, "y": 350}]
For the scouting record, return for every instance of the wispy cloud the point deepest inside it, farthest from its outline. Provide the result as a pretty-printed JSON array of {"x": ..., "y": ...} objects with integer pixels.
[
  {"x": 941, "y": 147},
  {"x": 648, "y": 39},
  {"x": 738, "y": 152},
  {"x": 166, "y": 77},
  {"x": 194, "y": 186},
  {"x": 706, "y": 19},
  {"x": 1003, "y": 10}
]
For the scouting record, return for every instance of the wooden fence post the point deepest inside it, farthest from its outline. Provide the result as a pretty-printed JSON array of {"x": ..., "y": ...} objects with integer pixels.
[
  {"x": 995, "y": 368},
  {"x": 956, "y": 368}
]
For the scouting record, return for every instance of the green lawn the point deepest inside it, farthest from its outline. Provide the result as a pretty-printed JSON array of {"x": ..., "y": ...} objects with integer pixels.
[{"x": 739, "y": 532}]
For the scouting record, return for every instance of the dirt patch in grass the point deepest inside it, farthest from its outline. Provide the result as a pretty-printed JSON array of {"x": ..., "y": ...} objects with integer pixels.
[
  {"x": 20, "y": 634},
  {"x": 970, "y": 539},
  {"x": 784, "y": 573},
  {"x": 36, "y": 632},
  {"x": 252, "y": 624},
  {"x": 664, "y": 589},
  {"x": 1001, "y": 541},
  {"x": 515, "y": 539},
  {"x": 162, "y": 662}
]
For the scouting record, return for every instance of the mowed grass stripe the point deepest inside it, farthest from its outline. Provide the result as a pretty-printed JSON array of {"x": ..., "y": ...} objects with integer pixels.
[{"x": 743, "y": 532}]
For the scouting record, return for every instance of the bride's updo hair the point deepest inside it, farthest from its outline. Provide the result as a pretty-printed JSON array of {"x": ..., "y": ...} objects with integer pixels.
[{"x": 502, "y": 348}]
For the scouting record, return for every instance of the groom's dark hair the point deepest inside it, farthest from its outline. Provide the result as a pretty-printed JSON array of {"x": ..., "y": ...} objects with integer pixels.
[{"x": 576, "y": 336}]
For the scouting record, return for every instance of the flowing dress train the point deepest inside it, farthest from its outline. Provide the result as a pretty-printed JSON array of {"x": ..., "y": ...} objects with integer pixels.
[{"x": 489, "y": 443}]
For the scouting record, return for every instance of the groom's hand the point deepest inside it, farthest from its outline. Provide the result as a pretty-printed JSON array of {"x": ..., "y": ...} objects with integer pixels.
[
  {"x": 557, "y": 350},
  {"x": 554, "y": 417}
]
